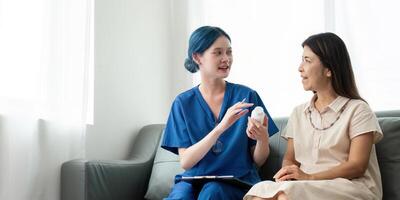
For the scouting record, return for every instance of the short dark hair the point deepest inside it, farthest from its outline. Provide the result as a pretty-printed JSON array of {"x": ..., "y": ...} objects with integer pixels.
[
  {"x": 332, "y": 52},
  {"x": 200, "y": 40}
]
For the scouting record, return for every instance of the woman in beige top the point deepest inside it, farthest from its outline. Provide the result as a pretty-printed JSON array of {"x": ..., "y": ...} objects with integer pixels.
[{"x": 330, "y": 152}]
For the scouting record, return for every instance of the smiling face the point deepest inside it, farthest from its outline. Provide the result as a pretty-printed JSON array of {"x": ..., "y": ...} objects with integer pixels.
[
  {"x": 315, "y": 77},
  {"x": 216, "y": 61}
]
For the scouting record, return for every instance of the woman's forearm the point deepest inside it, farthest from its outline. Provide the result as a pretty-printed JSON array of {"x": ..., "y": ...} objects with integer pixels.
[
  {"x": 289, "y": 158},
  {"x": 357, "y": 163},
  {"x": 345, "y": 170},
  {"x": 190, "y": 156},
  {"x": 261, "y": 152}
]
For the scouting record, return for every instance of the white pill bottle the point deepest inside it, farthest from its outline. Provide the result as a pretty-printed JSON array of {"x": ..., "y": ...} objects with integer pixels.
[{"x": 258, "y": 114}]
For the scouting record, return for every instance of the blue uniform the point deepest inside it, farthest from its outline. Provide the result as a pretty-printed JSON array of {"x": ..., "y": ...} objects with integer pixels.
[{"x": 191, "y": 119}]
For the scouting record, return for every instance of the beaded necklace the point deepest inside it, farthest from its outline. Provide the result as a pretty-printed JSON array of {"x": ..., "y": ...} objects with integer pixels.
[{"x": 337, "y": 118}]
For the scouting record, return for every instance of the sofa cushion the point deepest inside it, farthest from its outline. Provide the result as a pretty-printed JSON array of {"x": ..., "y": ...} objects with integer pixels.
[
  {"x": 388, "y": 156},
  {"x": 166, "y": 166},
  {"x": 277, "y": 150}
]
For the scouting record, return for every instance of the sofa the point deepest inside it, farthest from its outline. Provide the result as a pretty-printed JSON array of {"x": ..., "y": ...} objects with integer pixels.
[{"x": 149, "y": 172}]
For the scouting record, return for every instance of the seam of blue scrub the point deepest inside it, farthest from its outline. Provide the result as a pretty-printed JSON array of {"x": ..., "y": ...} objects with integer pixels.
[{"x": 191, "y": 119}]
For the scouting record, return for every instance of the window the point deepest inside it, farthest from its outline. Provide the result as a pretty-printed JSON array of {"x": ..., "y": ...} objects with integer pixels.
[
  {"x": 267, "y": 37},
  {"x": 46, "y": 58}
]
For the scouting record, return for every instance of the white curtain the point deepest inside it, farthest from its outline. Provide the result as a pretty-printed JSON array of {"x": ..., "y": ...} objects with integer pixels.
[
  {"x": 46, "y": 54},
  {"x": 267, "y": 36},
  {"x": 371, "y": 29}
]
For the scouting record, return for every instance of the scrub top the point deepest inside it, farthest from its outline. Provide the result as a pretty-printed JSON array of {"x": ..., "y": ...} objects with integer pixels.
[{"x": 191, "y": 119}]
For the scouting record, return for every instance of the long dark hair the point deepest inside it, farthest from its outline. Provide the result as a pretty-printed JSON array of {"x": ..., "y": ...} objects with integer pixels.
[{"x": 333, "y": 54}]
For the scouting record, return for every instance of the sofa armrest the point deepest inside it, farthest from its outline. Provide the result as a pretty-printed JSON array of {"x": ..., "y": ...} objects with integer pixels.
[
  {"x": 113, "y": 179},
  {"x": 104, "y": 179},
  {"x": 73, "y": 180}
]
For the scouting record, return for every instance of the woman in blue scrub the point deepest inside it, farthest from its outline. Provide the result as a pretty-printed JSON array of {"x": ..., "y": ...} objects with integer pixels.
[{"x": 209, "y": 125}]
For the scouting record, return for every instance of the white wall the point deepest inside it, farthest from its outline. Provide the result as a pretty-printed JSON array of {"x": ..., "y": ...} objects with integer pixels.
[
  {"x": 181, "y": 79},
  {"x": 136, "y": 73}
]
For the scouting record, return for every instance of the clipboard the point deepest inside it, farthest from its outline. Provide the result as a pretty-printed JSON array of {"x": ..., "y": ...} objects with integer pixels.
[{"x": 229, "y": 179}]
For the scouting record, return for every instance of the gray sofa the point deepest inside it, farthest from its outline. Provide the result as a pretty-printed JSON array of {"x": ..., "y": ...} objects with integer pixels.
[{"x": 149, "y": 172}]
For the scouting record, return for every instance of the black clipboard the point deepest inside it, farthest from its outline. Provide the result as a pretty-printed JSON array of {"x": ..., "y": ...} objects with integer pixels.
[{"x": 229, "y": 179}]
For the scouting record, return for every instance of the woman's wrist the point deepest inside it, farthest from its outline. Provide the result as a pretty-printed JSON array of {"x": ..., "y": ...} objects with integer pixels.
[
  {"x": 219, "y": 129},
  {"x": 311, "y": 177},
  {"x": 263, "y": 142}
]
